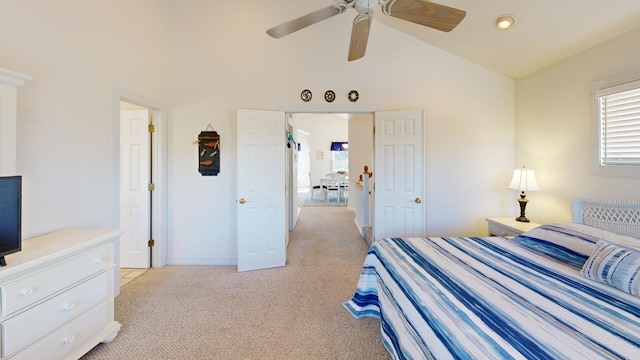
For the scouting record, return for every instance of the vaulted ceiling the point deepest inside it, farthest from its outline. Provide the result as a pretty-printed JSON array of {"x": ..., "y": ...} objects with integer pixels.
[{"x": 546, "y": 31}]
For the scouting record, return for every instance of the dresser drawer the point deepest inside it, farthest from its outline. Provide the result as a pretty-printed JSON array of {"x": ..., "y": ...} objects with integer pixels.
[
  {"x": 69, "y": 337},
  {"x": 28, "y": 290},
  {"x": 29, "y": 326}
]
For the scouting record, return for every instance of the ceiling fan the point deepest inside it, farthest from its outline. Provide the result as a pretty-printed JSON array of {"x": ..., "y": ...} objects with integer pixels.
[{"x": 425, "y": 13}]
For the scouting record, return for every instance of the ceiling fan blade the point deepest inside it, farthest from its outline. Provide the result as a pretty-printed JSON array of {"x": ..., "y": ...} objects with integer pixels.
[
  {"x": 304, "y": 21},
  {"x": 359, "y": 38},
  {"x": 439, "y": 17}
]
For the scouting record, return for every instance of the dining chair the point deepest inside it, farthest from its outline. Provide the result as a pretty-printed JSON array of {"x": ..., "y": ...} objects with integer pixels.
[
  {"x": 319, "y": 190},
  {"x": 332, "y": 187}
]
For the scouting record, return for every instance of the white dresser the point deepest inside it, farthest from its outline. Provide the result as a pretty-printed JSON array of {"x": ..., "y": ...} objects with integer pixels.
[{"x": 57, "y": 295}]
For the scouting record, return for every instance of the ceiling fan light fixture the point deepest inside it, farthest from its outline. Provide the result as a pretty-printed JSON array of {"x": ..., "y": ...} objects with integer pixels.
[
  {"x": 426, "y": 13},
  {"x": 503, "y": 22}
]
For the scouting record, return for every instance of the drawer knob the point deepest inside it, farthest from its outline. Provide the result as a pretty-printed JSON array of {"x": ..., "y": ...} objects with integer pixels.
[
  {"x": 26, "y": 291},
  {"x": 99, "y": 260},
  {"x": 69, "y": 306},
  {"x": 68, "y": 339}
]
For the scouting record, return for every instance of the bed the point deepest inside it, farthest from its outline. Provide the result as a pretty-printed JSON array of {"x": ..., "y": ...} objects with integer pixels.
[{"x": 560, "y": 291}]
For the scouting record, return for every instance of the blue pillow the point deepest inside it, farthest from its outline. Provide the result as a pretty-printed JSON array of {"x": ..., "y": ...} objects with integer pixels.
[{"x": 614, "y": 265}]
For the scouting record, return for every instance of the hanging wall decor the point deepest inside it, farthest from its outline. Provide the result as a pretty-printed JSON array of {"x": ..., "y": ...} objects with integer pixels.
[
  {"x": 306, "y": 95},
  {"x": 209, "y": 152},
  {"x": 353, "y": 95},
  {"x": 330, "y": 95}
]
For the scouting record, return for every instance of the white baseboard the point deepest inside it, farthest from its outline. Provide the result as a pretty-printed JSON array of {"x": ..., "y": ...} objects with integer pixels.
[{"x": 201, "y": 261}]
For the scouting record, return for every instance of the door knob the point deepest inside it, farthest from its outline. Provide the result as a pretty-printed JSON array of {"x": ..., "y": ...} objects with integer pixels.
[
  {"x": 418, "y": 200},
  {"x": 242, "y": 201}
]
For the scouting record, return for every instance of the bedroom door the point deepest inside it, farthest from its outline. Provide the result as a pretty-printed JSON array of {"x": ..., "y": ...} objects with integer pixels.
[
  {"x": 261, "y": 200},
  {"x": 398, "y": 208},
  {"x": 134, "y": 190}
]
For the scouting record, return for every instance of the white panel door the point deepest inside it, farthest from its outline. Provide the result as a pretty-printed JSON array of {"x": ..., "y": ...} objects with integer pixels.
[
  {"x": 398, "y": 174},
  {"x": 134, "y": 191},
  {"x": 261, "y": 200}
]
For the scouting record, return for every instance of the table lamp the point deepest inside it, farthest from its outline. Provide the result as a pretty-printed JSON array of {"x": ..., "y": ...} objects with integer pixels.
[{"x": 523, "y": 180}]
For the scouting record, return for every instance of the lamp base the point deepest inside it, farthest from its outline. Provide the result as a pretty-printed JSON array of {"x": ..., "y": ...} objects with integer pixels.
[{"x": 523, "y": 204}]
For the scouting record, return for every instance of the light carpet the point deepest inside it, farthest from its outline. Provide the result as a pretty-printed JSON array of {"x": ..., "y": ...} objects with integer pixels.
[{"x": 292, "y": 312}]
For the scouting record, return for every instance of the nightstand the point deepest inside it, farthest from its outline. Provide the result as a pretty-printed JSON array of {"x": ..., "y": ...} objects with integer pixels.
[{"x": 508, "y": 226}]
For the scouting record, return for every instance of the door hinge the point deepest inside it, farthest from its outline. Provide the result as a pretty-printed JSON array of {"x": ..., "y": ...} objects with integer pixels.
[
  {"x": 151, "y": 187},
  {"x": 152, "y": 243},
  {"x": 152, "y": 128}
]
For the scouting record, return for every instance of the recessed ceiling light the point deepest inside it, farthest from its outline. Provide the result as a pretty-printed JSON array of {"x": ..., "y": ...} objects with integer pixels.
[{"x": 504, "y": 22}]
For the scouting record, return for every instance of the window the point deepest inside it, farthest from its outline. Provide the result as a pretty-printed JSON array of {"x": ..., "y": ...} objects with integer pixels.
[
  {"x": 339, "y": 156},
  {"x": 617, "y": 128}
]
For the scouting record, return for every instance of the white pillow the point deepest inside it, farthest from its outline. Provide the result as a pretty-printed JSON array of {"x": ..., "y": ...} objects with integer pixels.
[
  {"x": 570, "y": 242},
  {"x": 614, "y": 265}
]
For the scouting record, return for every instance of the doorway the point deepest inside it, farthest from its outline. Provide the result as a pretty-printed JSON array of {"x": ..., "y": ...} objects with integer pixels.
[
  {"x": 314, "y": 134},
  {"x": 399, "y": 142},
  {"x": 139, "y": 179},
  {"x": 398, "y": 208}
]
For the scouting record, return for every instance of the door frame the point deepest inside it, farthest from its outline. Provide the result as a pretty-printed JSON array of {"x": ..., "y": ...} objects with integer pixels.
[
  {"x": 324, "y": 109},
  {"x": 159, "y": 164},
  {"x": 360, "y": 109}
]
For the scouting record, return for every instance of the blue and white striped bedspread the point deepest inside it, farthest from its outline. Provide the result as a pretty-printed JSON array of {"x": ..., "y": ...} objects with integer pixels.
[{"x": 489, "y": 298}]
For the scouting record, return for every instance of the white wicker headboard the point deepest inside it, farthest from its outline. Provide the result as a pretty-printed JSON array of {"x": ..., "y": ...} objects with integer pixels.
[{"x": 617, "y": 216}]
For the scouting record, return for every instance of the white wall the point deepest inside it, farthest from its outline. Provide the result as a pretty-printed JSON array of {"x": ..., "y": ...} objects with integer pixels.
[
  {"x": 360, "y": 150},
  {"x": 207, "y": 59},
  {"x": 553, "y": 128},
  {"x": 302, "y": 138},
  {"x": 77, "y": 53}
]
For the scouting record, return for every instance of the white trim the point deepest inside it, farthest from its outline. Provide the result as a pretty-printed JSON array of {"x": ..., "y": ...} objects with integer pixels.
[
  {"x": 202, "y": 261},
  {"x": 9, "y": 83},
  {"x": 13, "y": 78},
  {"x": 159, "y": 164},
  {"x": 353, "y": 109},
  {"x": 626, "y": 86},
  {"x": 617, "y": 80}
]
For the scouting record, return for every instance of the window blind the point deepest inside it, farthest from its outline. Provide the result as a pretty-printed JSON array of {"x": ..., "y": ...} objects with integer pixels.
[{"x": 619, "y": 111}]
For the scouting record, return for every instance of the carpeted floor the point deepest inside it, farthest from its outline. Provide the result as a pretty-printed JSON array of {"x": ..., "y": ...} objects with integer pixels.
[{"x": 292, "y": 312}]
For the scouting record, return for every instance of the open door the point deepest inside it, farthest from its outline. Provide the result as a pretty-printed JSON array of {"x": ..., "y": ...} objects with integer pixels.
[
  {"x": 261, "y": 200},
  {"x": 135, "y": 172},
  {"x": 398, "y": 174}
]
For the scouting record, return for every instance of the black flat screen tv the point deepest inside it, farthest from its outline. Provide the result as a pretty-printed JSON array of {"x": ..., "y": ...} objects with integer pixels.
[{"x": 10, "y": 216}]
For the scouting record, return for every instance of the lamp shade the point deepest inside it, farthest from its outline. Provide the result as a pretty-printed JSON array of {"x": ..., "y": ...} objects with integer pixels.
[{"x": 524, "y": 180}]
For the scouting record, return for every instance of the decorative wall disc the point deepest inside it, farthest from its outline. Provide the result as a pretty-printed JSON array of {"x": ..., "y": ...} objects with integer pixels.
[
  {"x": 353, "y": 95},
  {"x": 329, "y": 96},
  {"x": 306, "y": 95}
]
